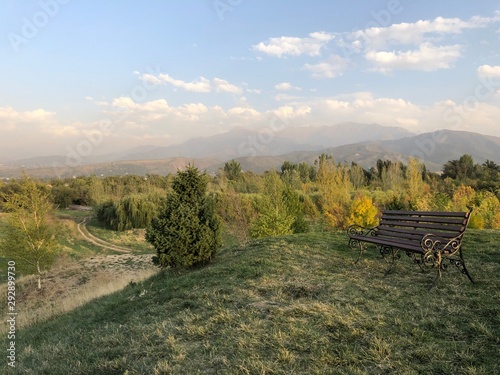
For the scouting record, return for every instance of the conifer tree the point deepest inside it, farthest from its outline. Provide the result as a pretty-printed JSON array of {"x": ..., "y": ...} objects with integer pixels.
[
  {"x": 187, "y": 230},
  {"x": 232, "y": 169}
]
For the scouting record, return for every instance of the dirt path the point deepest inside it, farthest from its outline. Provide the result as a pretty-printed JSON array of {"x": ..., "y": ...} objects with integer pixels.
[{"x": 82, "y": 228}]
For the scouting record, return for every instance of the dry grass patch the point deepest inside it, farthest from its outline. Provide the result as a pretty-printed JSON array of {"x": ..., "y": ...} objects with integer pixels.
[{"x": 71, "y": 284}]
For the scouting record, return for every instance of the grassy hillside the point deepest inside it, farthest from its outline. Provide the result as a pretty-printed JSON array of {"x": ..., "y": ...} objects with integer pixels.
[
  {"x": 286, "y": 305},
  {"x": 82, "y": 272}
]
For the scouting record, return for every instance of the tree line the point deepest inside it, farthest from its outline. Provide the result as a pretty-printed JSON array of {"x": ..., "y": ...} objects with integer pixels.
[{"x": 192, "y": 205}]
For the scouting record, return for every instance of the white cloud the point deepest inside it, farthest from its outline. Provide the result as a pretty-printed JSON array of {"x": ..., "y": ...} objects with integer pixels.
[
  {"x": 125, "y": 102},
  {"x": 292, "y": 111},
  {"x": 243, "y": 111},
  {"x": 191, "y": 112},
  {"x": 159, "y": 105},
  {"x": 427, "y": 58},
  {"x": 11, "y": 119},
  {"x": 98, "y": 102},
  {"x": 10, "y": 114},
  {"x": 294, "y": 46},
  {"x": 386, "y": 47},
  {"x": 285, "y": 98},
  {"x": 202, "y": 85},
  {"x": 334, "y": 104},
  {"x": 360, "y": 107},
  {"x": 149, "y": 78},
  {"x": 332, "y": 67},
  {"x": 187, "y": 120},
  {"x": 283, "y": 86},
  {"x": 197, "y": 119},
  {"x": 376, "y": 38},
  {"x": 488, "y": 71},
  {"x": 221, "y": 85},
  {"x": 286, "y": 86},
  {"x": 58, "y": 130},
  {"x": 254, "y": 91},
  {"x": 195, "y": 108},
  {"x": 159, "y": 123}
]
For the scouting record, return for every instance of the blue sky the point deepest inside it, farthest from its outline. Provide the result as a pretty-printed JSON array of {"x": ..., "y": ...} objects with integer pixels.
[{"x": 120, "y": 74}]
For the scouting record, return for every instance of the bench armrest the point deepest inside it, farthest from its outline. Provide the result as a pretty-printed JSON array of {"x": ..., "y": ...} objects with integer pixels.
[
  {"x": 432, "y": 243},
  {"x": 358, "y": 230}
]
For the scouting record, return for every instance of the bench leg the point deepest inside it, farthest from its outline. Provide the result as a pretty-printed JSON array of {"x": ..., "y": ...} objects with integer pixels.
[
  {"x": 392, "y": 254},
  {"x": 460, "y": 264},
  {"x": 419, "y": 259},
  {"x": 436, "y": 259},
  {"x": 353, "y": 244},
  {"x": 361, "y": 249},
  {"x": 438, "y": 276}
]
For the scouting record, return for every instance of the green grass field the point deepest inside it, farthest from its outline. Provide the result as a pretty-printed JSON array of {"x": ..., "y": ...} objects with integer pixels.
[{"x": 284, "y": 305}]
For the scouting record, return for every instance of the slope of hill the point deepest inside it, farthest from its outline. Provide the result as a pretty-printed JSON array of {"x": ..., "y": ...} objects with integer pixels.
[
  {"x": 345, "y": 133},
  {"x": 283, "y": 305},
  {"x": 434, "y": 149},
  {"x": 440, "y": 146}
]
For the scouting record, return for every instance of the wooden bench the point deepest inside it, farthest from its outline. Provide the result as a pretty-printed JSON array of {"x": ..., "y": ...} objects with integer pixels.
[{"x": 429, "y": 238}]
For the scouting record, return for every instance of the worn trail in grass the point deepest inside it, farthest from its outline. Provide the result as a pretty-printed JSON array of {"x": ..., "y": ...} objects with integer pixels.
[
  {"x": 288, "y": 305},
  {"x": 98, "y": 241}
]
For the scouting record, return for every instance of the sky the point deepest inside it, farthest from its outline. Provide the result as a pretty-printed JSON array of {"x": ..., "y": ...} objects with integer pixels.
[{"x": 96, "y": 77}]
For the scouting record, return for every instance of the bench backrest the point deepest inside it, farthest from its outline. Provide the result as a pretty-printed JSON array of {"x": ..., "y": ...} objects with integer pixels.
[{"x": 411, "y": 226}]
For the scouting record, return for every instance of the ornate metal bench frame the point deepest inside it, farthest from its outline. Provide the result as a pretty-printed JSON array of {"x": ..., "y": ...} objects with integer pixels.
[{"x": 433, "y": 250}]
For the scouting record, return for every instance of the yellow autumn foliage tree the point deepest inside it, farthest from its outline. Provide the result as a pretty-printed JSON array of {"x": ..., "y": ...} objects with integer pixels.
[
  {"x": 462, "y": 198},
  {"x": 488, "y": 211},
  {"x": 417, "y": 191},
  {"x": 363, "y": 212},
  {"x": 335, "y": 187}
]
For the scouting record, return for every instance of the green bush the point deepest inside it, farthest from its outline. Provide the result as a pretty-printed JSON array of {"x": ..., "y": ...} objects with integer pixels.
[
  {"x": 187, "y": 230},
  {"x": 277, "y": 208},
  {"x": 132, "y": 211}
]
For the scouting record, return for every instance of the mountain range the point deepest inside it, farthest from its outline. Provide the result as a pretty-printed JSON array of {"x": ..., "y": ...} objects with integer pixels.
[{"x": 266, "y": 149}]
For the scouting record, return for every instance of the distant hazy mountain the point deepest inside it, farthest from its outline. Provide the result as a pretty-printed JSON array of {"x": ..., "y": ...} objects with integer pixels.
[
  {"x": 241, "y": 142},
  {"x": 434, "y": 149},
  {"x": 237, "y": 142},
  {"x": 345, "y": 133},
  {"x": 444, "y": 145},
  {"x": 210, "y": 153}
]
